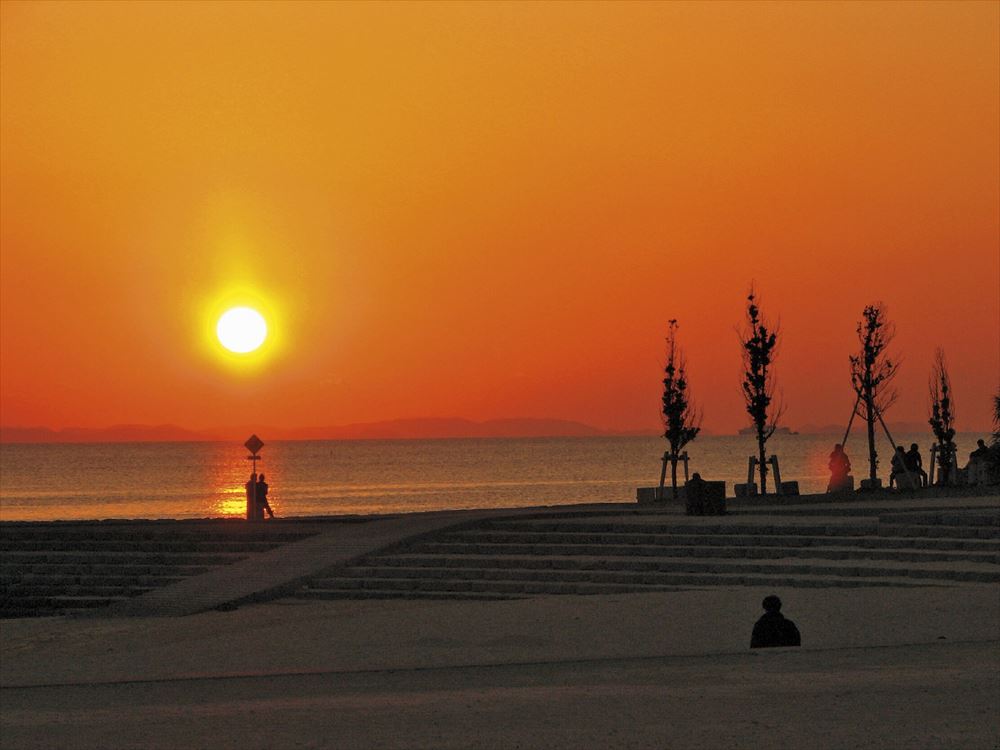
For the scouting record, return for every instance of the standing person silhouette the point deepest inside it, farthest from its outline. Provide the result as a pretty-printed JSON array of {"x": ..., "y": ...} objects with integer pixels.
[
  {"x": 840, "y": 468},
  {"x": 915, "y": 464},
  {"x": 262, "y": 496}
]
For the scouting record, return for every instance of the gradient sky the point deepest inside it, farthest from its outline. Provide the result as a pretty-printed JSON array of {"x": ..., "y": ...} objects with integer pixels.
[{"x": 490, "y": 210}]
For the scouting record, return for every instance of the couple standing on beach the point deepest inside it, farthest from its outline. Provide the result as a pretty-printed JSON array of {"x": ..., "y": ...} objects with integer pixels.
[{"x": 257, "y": 495}]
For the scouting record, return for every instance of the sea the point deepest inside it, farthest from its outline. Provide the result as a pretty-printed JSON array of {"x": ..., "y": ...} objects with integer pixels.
[{"x": 45, "y": 482}]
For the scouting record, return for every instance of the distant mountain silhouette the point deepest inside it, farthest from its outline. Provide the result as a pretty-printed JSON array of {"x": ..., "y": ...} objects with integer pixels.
[
  {"x": 443, "y": 427},
  {"x": 395, "y": 429},
  {"x": 778, "y": 431}
]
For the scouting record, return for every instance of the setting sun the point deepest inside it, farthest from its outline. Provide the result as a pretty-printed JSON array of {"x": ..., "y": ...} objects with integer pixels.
[{"x": 241, "y": 330}]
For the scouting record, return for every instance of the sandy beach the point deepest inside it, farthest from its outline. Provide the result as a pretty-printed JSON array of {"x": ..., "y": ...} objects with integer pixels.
[{"x": 879, "y": 667}]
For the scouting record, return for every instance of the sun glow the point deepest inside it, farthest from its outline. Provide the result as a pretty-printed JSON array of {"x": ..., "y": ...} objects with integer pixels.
[{"x": 241, "y": 330}]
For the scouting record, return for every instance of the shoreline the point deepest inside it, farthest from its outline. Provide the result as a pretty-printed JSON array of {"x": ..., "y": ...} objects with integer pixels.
[{"x": 756, "y": 504}]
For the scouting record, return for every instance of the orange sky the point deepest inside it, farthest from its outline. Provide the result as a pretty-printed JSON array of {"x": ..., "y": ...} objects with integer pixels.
[{"x": 490, "y": 210}]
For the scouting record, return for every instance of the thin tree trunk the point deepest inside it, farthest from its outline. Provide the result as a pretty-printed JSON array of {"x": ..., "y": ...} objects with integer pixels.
[
  {"x": 673, "y": 473},
  {"x": 762, "y": 464},
  {"x": 872, "y": 455}
]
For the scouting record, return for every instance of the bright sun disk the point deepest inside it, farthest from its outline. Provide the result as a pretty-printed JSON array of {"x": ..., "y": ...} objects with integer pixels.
[{"x": 241, "y": 329}]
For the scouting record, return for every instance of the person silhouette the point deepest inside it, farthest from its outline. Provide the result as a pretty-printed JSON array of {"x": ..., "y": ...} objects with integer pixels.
[
  {"x": 694, "y": 495},
  {"x": 898, "y": 464},
  {"x": 262, "y": 496},
  {"x": 915, "y": 464},
  {"x": 981, "y": 452},
  {"x": 840, "y": 468},
  {"x": 773, "y": 629}
]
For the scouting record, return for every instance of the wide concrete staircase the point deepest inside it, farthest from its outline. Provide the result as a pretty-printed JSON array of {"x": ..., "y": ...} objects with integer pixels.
[
  {"x": 623, "y": 552},
  {"x": 60, "y": 568}
]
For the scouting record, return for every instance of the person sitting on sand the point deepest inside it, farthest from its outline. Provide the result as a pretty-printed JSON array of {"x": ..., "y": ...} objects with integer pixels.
[
  {"x": 840, "y": 468},
  {"x": 915, "y": 465},
  {"x": 262, "y": 496},
  {"x": 773, "y": 629}
]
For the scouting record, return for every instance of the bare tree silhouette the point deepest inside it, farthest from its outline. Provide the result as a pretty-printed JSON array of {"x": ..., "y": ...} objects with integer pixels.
[
  {"x": 680, "y": 419},
  {"x": 759, "y": 348},
  {"x": 942, "y": 419},
  {"x": 872, "y": 373}
]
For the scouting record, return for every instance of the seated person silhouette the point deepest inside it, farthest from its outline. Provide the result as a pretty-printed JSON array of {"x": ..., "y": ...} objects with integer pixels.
[
  {"x": 898, "y": 468},
  {"x": 978, "y": 461},
  {"x": 915, "y": 465},
  {"x": 981, "y": 453},
  {"x": 694, "y": 495},
  {"x": 772, "y": 629}
]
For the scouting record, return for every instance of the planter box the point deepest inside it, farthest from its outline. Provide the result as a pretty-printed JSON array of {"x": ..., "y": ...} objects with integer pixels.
[
  {"x": 789, "y": 488},
  {"x": 847, "y": 485},
  {"x": 646, "y": 495},
  {"x": 745, "y": 490},
  {"x": 711, "y": 502}
]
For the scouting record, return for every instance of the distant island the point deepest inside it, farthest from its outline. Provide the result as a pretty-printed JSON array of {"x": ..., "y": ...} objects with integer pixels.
[{"x": 778, "y": 431}]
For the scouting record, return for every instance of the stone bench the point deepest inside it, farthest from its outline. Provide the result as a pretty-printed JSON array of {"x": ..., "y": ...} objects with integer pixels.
[
  {"x": 750, "y": 489},
  {"x": 712, "y": 502}
]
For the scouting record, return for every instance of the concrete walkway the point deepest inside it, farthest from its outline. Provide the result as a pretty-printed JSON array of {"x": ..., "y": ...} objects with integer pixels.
[
  {"x": 271, "y": 574},
  {"x": 268, "y": 574}
]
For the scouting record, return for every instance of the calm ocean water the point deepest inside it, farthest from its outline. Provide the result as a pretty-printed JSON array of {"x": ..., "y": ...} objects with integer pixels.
[{"x": 198, "y": 480}]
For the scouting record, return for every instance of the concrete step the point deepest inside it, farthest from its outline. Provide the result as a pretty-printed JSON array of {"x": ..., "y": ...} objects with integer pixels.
[
  {"x": 56, "y": 589},
  {"x": 173, "y": 546},
  {"x": 126, "y": 558},
  {"x": 750, "y": 507},
  {"x": 8, "y": 570},
  {"x": 32, "y": 579},
  {"x": 939, "y": 531},
  {"x": 528, "y": 586},
  {"x": 966, "y": 571},
  {"x": 656, "y": 525},
  {"x": 744, "y": 540},
  {"x": 55, "y": 605},
  {"x": 951, "y": 517},
  {"x": 701, "y": 551},
  {"x": 404, "y": 593},
  {"x": 96, "y": 531}
]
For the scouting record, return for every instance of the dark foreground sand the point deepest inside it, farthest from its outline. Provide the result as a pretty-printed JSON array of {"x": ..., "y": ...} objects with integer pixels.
[{"x": 880, "y": 668}]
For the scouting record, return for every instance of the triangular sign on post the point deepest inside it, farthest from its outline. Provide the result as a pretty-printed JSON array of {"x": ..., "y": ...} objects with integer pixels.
[{"x": 254, "y": 444}]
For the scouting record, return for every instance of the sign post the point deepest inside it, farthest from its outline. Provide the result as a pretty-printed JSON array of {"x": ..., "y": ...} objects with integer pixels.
[{"x": 253, "y": 444}]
